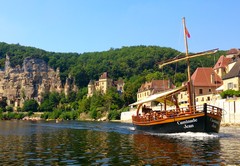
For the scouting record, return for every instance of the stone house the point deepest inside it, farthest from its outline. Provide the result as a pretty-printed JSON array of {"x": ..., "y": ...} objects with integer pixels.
[
  {"x": 231, "y": 80},
  {"x": 153, "y": 87},
  {"x": 221, "y": 67},
  {"x": 103, "y": 84},
  {"x": 208, "y": 82},
  {"x": 205, "y": 82}
]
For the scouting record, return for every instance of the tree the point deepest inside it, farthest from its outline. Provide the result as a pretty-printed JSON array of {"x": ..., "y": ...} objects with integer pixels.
[
  {"x": 51, "y": 101},
  {"x": 3, "y": 104},
  {"x": 9, "y": 109},
  {"x": 46, "y": 106},
  {"x": 30, "y": 105}
]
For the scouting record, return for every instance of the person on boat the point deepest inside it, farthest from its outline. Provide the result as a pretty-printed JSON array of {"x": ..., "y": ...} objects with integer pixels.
[{"x": 154, "y": 115}]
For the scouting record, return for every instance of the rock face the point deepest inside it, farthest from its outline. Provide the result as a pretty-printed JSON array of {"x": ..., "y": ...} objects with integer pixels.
[{"x": 31, "y": 81}]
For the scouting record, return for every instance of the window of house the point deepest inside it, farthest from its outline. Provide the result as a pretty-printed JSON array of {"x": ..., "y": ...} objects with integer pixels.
[
  {"x": 200, "y": 91},
  {"x": 202, "y": 98},
  {"x": 209, "y": 90},
  {"x": 230, "y": 85},
  {"x": 208, "y": 98}
]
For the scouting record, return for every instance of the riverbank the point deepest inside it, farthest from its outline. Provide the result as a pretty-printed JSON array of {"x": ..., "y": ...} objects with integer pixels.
[{"x": 230, "y": 125}]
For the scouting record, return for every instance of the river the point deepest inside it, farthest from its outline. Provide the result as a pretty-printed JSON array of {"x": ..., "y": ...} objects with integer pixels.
[{"x": 112, "y": 143}]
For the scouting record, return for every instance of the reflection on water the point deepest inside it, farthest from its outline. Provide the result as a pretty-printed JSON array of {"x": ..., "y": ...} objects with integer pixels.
[
  {"x": 167, "y": 150},
  {"x": 95, "y": 143}
]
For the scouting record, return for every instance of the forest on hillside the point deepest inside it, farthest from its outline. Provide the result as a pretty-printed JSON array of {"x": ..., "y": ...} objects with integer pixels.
[{"x": 135, "y": 65}]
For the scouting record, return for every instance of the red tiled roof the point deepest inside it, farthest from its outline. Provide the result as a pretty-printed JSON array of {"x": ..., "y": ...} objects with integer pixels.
[
  {"x": 222, "y": 62},
  {"x": 234, "y": 72},
  {"x": 233, "y": 51},
  {"x": 203, "y": 77}
]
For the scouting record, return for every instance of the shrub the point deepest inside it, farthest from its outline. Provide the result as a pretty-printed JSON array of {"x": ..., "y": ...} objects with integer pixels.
[
  {"x": 229, "y": 93},
  {"x": 30, "y": 105},
  {"x": 9, "y": 109}
]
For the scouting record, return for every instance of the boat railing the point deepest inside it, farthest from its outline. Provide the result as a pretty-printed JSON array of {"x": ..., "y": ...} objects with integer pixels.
[
  {"x": 214, "y": 110},
  {"x": 155, "y": 115},
  {"x": 210, "y": 109}
]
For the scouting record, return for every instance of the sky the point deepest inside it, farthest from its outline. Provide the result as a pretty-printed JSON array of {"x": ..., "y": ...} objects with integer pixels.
[{"x": 98, "y": 25}]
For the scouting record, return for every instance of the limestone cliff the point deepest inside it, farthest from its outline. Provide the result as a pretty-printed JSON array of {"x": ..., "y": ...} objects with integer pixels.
[{"x": 31, "y": 81}]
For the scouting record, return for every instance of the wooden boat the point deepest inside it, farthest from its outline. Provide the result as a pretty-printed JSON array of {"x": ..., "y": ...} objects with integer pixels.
[{"x": 171, "y": 118}]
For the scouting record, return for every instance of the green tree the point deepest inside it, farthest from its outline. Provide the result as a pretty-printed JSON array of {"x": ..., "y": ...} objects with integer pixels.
[
  {"x": 30, "y": 105},
  {"x": 46, "y": 106},
  {"x": 3, "y": 104},
  {"x": 9, "y": 109},
  {"x": 51, "y": 101},
  {"x": 84, "y": 104}
]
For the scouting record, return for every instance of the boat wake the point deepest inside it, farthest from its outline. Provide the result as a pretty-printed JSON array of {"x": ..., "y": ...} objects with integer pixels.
[{"x": 189, "y": 135}]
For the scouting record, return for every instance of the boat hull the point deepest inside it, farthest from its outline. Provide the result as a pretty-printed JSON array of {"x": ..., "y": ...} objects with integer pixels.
[{"x": 205, "y": 123}]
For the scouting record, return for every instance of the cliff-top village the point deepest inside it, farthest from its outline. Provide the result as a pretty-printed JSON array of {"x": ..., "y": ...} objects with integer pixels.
[{"x": 35, "y": 78}]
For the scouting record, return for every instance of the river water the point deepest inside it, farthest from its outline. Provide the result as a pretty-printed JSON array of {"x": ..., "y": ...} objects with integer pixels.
[{"x": 109, "y": 143}]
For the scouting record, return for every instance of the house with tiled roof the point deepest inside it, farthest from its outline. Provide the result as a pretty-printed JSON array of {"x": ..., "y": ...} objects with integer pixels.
[
  {"x": 233, "y": 53},
  {"x": 103, "y": 84},
  {"x": 153, "y": 87},
  {"x": 221, "y": 67},
  {"x": 232, "y": 79},
  {"x": 205, "y": 82}
]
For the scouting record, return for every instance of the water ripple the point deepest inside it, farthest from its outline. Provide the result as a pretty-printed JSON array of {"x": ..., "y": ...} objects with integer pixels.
[{"x": 97, "y": 143}]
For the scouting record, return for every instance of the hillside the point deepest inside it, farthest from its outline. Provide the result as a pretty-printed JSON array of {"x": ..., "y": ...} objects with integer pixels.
[
  {"x": 134, "y": 65},
  {"x": 125, "y": 62}
]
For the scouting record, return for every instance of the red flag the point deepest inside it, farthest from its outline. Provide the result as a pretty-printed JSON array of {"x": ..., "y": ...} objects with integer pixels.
[{"x": 187, "y": 33}]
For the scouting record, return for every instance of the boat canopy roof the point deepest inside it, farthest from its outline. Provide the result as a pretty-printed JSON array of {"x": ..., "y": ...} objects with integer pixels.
[{"x": 160, "y": 97}]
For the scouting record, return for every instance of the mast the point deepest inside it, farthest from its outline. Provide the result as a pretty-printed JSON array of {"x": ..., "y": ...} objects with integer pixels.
[
  {"x": 189, "y": 82},
  {"x": 190, "y": 88}
]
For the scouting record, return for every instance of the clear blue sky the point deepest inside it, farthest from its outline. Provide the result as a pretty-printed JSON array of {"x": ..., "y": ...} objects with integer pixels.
[{"x": 98, "y": 25}]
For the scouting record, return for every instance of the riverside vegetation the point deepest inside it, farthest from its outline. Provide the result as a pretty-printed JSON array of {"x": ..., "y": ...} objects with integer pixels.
[{"x": 135, "y": 65}]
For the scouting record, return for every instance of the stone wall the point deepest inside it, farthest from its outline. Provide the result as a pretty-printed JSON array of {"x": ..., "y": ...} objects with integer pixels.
[{"x": 231, "y": 110}]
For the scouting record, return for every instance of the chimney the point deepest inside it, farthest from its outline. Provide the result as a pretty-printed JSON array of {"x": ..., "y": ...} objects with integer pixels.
[
  {"x": 213, "y": 78},
  {"x": 169, "y": 84}
]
